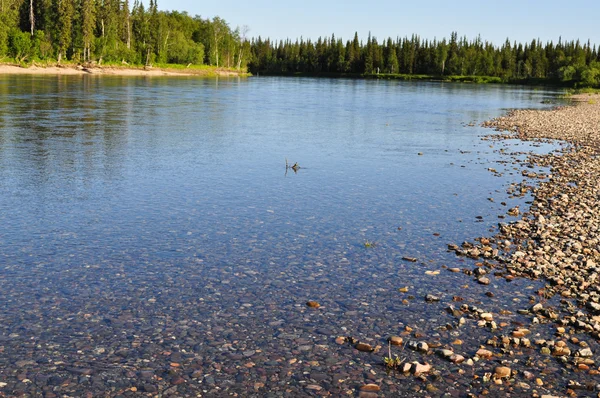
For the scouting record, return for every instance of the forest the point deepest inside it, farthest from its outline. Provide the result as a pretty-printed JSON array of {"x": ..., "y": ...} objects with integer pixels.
[
  {"x": 115, "y": 31},
  {"x": 569, "y": 63}
]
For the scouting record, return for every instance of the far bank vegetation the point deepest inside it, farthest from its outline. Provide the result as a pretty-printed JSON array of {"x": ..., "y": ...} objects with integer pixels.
[
  {"x": 569, "y": 63},
  {"x": 116, "y": 32}
]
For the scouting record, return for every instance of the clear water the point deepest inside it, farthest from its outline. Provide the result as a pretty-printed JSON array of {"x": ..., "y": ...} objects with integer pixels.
[{"x": 156, "y": 215}]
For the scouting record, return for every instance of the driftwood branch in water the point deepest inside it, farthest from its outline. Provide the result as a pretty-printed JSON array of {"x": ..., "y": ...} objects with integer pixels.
[{"x": 294, "y": 167}]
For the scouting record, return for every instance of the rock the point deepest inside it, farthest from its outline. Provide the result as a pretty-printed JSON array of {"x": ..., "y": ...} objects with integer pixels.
[
  {"x": 395, "y": 340},
  {"x": 364, "y": 347},
  {"x": 313, "y": 304},
  {"x": 560, "y": 351},
  {"x": 585, "y": 353},
  {"x": 410, "y": 259},
  {"x": 418, "y": 369},
  {"x": 430, "y": 298},
  {"x": 197, "y": 374},
  {"x": 314, "y": 387},
  {"x": 528, "y": 375},
  {"x": 457, "y": 359},
  {"x": 502, "y": 372},
  {"x": 485, "y": 354},
  {"x": 24, "y": 362},
  {"x": 422, "y": 346},
  {"x": 486, "y": 316},
  {"x": 177, "y": 380},
  {"x": 483, "y": 280},
  {"x": 370, "y": 388},
  {"x": 444, "y": 353},
  {"x": 595, "y": 307}
]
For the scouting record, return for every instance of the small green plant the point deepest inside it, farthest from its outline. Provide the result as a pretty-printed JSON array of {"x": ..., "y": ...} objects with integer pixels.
[
  {"x": 369, "y": 244},
  {"x": 592, "y": 102},
  {"x": 392, "y": 362}
]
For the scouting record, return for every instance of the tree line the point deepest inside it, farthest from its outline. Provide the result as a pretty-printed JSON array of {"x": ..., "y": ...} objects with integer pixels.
[
  {"x": 569, "y": 62},
  {"x": 116, "y": 31}
]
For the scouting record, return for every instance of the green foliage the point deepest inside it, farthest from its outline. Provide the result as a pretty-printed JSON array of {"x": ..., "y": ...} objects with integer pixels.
[
  {"x": 590, "y": 76},
  {"x": 108, "y": 32},
  {"x": 393, "y": 362},
  {"x": 3, "y": 39},
  {"x": 457, "y": 59},
  {"x": 19, "y": 45},
  {"x": 566, "y": 73}
]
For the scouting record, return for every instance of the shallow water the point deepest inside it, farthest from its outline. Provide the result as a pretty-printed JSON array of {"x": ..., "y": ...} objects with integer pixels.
[{"x": 146, "y": 222}]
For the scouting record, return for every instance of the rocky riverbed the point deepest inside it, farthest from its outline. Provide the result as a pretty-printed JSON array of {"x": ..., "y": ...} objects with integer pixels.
[{"x": 514, "y": 314}]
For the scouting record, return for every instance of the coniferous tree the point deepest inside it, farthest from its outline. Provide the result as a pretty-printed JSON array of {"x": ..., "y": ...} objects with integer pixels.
[{"x": 64, "y": 22}]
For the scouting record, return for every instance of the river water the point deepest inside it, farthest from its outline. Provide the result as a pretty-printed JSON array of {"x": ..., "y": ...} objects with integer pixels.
[{"x": 153, "y": 241}]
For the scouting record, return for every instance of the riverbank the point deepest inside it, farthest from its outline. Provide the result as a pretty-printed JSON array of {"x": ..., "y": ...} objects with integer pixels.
[
  {"x": 555, "y": 241},
  {"x": 117, "y": 71},
  {"x": 547, "y": 347}
]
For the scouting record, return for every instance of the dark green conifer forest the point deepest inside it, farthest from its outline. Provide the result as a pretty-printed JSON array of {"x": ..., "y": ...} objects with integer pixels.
[{"x": 569, "y": 63}]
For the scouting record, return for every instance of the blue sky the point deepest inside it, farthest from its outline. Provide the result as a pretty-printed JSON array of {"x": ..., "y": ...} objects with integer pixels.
[{"x": 521, "y": 20}]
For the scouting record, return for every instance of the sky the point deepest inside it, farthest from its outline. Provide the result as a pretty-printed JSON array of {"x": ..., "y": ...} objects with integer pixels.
[{"x": 495, "y": 21}]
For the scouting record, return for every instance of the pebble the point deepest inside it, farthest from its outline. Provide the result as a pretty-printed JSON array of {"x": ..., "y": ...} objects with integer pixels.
[
  {"x": 370, "y": 388},
  {"x": 422, "y": 346},
  {"x": 502, "y": 372},
  {"x": 483, "y": 280},
  {"x": 485, "y": 354},
  {"x": 364, "y": 347},
  {"x": 396, "y": 340},
  {"x": 486, "y": 316},
  {"x": 313, "y": 304},
  {"x": 430, "y": 298},
  {"x": 418, "y": 369}
]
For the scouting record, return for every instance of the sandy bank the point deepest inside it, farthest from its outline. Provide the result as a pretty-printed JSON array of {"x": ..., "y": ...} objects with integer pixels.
[{"x": 79, "y": 70}]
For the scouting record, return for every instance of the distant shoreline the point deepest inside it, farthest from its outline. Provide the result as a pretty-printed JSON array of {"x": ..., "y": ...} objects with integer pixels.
[{"x": 70, "y": 70}]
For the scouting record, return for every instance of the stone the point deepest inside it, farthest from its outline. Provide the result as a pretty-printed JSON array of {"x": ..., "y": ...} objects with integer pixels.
[
  {"x": 485, "y": 354},
  {"x": 444, "y": 353},
  {"x": 364, "y": 347},
  {"x": 585, "y": 353},
  {"x": 418, "y": 369},
  {"x": 395, "y": 340},
  {"x": 502, "y": 372},
  {"x": 177, "y": 380},
  {"x": 432, "y": 298},
  {"x": 457, "y": 359},
  {"x": 483, "y": 280},
  {"x": 486, "y": 316},
  {"x": 370, "y": 388},
  {"x": 422, "y": 346},
  {"x": 313, "y": 304}
]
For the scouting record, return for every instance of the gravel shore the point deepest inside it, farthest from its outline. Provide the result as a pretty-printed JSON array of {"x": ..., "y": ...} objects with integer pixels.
[{"x": 557, "y": 239}]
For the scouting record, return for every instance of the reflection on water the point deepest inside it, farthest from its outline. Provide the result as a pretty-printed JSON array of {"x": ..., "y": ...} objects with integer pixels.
[{"x": 116, "y": 191}]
